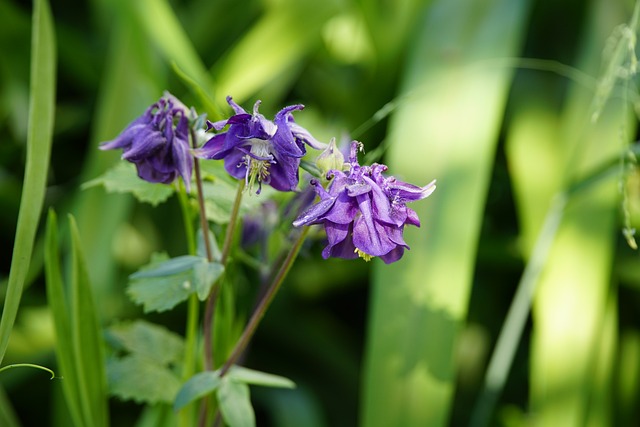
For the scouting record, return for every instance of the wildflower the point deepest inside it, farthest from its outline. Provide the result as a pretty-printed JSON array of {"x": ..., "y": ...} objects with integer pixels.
[
  {"x": 363, "y": 212},
  {"x": 158, "y": 143},
  {"x": 259, "y": 150}
]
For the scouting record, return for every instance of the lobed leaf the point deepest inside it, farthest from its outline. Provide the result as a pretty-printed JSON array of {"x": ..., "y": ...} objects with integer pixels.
[
  {"x": 145, "y": 339},
  {"x": 142, "y": 379},
  {"x": 163, "y": 284},
  {"x": 122, "y": 178}
]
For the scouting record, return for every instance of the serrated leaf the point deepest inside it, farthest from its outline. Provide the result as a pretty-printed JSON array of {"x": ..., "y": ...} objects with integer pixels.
[
  {"x": 196, "y": 387},
  {"x": 141, "y": 379},
  {"x": 123, "y": 178},
  {"x": 146, "y": 339},
  {"x": 235, "y": 403},
  {"x": 161, "y": 293},
  {"x": 161, "y": 285},
  {"x": 250, "y": 376}
]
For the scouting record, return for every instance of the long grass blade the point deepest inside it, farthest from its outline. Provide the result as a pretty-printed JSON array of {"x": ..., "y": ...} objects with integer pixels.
[
  {"x": 87, "y": 337},
  {"x": 61, "y": 322},
  {"x": 39, "y": 136},
  {"x": 420, "y": 303}
]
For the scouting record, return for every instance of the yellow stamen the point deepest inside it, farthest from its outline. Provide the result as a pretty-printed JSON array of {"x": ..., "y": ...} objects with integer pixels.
[{"x": 365, "y": 256}]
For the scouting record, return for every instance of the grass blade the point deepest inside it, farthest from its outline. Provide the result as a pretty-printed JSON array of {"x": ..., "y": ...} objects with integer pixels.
[
  {"x": 419, "y": 303},
  {"x": 59, "y": 310},
  {"x": 39, "y": 136},
  {"x": 87, "y": 336}
]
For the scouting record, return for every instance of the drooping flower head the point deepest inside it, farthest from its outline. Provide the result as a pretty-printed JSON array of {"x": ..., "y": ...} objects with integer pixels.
[
  {"x": 158, "y": 142},
  {"x": 259, "y": 150},
  {"x": 364, "y": 212}
]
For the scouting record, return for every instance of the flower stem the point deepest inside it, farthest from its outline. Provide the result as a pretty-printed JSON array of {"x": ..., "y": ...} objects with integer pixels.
[
  {"x": 213, "y": 296},
  {"x": 264, "y": 303}
]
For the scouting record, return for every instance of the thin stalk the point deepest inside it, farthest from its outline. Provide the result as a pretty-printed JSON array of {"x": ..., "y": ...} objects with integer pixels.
[
  {"x": 193, "y": 306},
  {"x": 213, "y": 296},
  {"x": 266, "y": 300},
  {"x": 507, "y": 344}
]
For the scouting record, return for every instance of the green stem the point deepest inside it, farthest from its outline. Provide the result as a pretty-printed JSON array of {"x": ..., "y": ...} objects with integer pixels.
[
  {"x": 213, "y": 296},
  {"x": 264, "y": 303},
  {"x": 28, "y": 365}
]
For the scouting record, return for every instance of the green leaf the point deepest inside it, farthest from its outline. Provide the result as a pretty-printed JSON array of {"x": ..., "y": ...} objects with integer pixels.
[
  {"x": 220, "y": 194},
  {"x": 39, "y": 136},
  {"x": 87, "y": 337},
  {"x": 249, "y": 376},
  {"x": 415, "y": 324},
  {"x": 123, "y": 178},
  {"x": 62, "y": 325},
  {"x": 142, "y": 379},
  {"x": 163, "y": 284},
  {"x": 170, "y": 267},
  {"x": 235, "y": 403},
  {"x": 148, "y": 340},
  {"x": 198, "y": 386},
  {"x": 206, "y": 275}
]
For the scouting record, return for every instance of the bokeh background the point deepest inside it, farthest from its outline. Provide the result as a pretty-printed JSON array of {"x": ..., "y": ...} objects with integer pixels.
[{"x": 523, "y": 110}]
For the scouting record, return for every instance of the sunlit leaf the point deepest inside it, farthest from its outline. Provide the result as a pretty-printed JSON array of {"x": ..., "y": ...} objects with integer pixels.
[
  {"x": 235, "y": 403},
  {"x": 122, "y": 178},
  {"x": 141, "y": 379},
  {"x": 198, "y": 386}
]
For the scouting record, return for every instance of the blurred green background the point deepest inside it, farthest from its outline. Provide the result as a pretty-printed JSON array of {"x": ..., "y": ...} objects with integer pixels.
[{"x": 523, "y": 110}]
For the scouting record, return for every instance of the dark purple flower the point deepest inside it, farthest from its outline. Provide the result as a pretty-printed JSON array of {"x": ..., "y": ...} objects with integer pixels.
[
  {"x": 259, "y": 150},
  {"x": 158, "y": 143},
  {"x": 363, "y": 212}
]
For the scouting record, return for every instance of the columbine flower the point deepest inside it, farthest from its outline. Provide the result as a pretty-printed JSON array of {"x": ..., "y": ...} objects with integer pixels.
[
  {"x": 259, "y": 150},
  {"x": 363, "y": 212},
  {"x": 158, "y": 142}
]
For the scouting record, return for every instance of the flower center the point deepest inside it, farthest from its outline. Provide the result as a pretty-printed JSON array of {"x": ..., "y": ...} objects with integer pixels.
[
  {"x": 258, "y": 164},
  {"x": 365, "y": 256}
]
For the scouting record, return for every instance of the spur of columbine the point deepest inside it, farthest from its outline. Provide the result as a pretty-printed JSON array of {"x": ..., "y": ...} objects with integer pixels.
[
  {"x": 364, "y": 212},
  {"x": 259, "y": 150},
  {"x": 158, "y": 142}
]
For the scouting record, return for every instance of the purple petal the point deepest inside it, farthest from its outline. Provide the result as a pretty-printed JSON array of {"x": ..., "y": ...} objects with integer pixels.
[
  {"x": 145, "y": 147},
  {"x": 212, "y": 147},
  {"x": 238, "y": 109}
]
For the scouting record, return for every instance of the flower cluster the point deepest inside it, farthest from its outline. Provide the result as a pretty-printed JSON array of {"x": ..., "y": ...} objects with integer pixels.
[
  {"x": 158, "y": 143},
  {"x": 363, "y": 212},
  {"x": 259, "y": 150}
]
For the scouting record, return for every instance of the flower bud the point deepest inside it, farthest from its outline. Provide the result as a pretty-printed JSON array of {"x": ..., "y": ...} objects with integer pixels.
[{"x": 330, "y": 159}]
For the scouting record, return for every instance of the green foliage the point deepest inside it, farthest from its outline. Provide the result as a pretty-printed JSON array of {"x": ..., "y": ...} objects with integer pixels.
[
  {"x": 144, "y": 368},
  {"x": 122, "y": 178},
  {"x": 232, "y": 391},
  {"x": 427, "y": 293},
  {"x": 164, "y": 283},
  {"x": 80, "y": 348},
  {"x": 235, "y": 403},
  {"x": 39, "y": 137},
  {"x": 142, "y": 380}
]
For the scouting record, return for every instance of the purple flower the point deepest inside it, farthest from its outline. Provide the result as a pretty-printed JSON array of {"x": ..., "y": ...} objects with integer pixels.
[
  {"x": 158, "y": 143},
  {"x": 363, "y": 212},
  {"x": 259, "y": 150}
]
